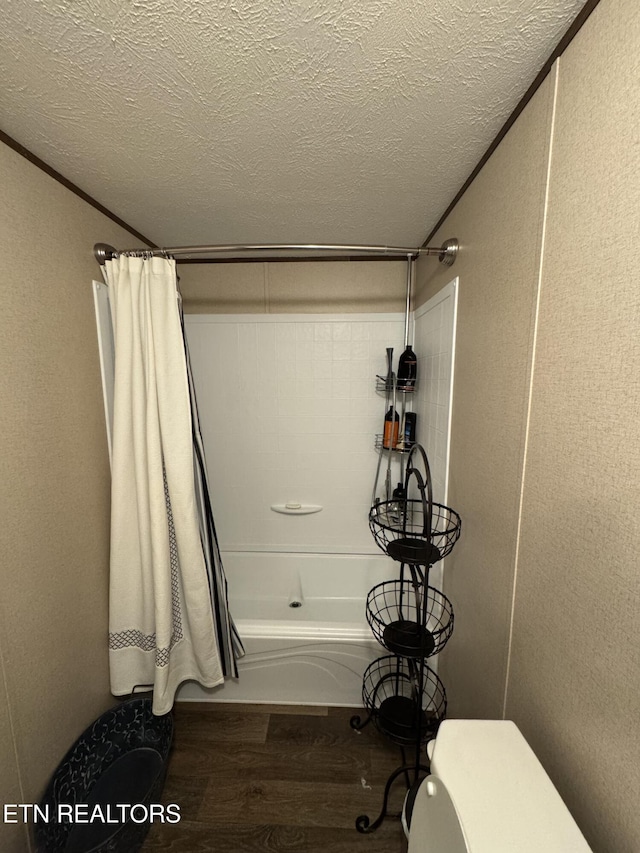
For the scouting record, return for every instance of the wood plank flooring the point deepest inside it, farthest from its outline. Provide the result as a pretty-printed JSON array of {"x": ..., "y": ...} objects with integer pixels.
[{"x": 276, "y": 779}]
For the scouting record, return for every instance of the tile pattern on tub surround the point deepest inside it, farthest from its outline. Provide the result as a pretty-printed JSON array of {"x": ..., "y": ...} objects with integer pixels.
[{"x": 289, "y": 411}]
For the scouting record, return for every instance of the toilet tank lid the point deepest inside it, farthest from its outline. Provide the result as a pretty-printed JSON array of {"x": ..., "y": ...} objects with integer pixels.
[{"x": 504, "y": 797}]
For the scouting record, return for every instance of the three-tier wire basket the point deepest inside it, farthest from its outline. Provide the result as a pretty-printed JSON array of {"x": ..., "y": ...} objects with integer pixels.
[{"x": 403, "y": 696}]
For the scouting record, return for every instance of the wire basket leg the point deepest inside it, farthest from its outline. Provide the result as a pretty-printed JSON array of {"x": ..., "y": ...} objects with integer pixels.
[
  {"x": 363, "y": 822},
  {"x": 356, "y": 722}
]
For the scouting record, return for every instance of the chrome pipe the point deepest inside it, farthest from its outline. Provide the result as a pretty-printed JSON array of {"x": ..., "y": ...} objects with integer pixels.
[{"x": 408, "y": 300}]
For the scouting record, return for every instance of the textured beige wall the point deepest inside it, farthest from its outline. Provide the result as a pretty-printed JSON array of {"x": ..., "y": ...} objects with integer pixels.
[
  {"x": 574, "y": 670},
  {"x": 54, "y": 469},
  {"x": 13, "y": 837},
  {"x": 498, "y": 223},
  {"x": 316, "y": 287},
  {"x": 574, "y": 685}
]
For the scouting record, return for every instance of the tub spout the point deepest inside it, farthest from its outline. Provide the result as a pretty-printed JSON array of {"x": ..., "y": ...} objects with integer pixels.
[{"x": 296, "y": 599}]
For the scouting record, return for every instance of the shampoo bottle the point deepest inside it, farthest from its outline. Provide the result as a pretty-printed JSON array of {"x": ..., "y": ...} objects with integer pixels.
[
  {"x": 407, "y": 370},
  {"x": 391, "y": 428}
]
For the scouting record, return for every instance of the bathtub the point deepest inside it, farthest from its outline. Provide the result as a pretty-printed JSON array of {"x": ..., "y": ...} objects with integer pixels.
[{"x": 302, "y": 621}]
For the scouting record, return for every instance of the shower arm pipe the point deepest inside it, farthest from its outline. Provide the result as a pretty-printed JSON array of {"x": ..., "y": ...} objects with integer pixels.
[{"x": 446, "y": 253}]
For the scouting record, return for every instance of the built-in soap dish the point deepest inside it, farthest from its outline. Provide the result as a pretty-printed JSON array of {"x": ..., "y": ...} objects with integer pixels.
[{"x": 295, "y": 508}]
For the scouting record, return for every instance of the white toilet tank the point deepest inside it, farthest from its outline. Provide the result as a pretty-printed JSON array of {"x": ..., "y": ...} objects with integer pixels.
[{"x": 488, "y": 793}]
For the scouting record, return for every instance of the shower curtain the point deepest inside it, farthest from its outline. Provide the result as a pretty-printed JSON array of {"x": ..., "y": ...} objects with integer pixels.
[{"x": 168, "y": 612}]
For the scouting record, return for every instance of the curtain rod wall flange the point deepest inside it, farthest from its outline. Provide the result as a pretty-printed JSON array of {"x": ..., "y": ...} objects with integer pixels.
[
  {"x": 103, "y": 252},
  {"x": 446, "y": 253},
  {"x": 449, "y": 252}
]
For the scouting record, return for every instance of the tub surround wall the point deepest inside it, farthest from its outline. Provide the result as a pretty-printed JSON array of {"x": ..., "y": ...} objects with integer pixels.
[
  {"x": 54, "y": 535},
  {"x": 289, "y": 412},
  {"x": 434, "y": 347},
  {"x": 434, "y": 341},
  {"x": 572, "y": 681}
]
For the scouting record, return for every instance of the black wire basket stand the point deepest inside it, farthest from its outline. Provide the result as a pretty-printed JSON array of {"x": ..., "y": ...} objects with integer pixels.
[
  {"x": 404, "y": 707},
  {"x": 403, "y": 696},
  {"x": 409, "y": 619},
  {"x": 414, "y": 530}
]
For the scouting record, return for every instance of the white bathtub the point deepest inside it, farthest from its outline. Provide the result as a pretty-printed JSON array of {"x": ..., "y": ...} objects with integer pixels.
[{"x": 313, "y": 654}]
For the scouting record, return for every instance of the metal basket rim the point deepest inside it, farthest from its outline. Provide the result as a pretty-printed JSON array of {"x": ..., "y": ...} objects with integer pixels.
[
  {"x": 448, "y": 531},
  {"x": 405, "y": 666},
  {"x": 409, "y": 583}
]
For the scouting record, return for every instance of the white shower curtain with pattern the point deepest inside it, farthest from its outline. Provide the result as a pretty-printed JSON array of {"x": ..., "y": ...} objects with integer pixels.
[{"x": 162, "y": 624}]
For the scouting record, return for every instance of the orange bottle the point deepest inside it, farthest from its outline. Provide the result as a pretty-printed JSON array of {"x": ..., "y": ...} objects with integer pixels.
[{"x": 391, "y": 429}]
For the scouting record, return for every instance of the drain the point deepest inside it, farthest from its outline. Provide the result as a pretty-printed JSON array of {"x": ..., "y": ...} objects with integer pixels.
[{"x": 295, "y": 604}]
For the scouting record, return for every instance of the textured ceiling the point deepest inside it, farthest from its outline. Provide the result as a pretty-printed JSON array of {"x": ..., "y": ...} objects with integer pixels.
[{"x": 270, "y": 120}]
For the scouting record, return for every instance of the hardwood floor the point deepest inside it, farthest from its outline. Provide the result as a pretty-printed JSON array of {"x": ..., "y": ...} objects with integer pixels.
[{"x": 276, "y": 779}]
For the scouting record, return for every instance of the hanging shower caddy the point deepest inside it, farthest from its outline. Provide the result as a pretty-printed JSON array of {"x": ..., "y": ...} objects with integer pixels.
[
  {"x": 404, "y": 698},
  {"x": 394, "y": 394}
]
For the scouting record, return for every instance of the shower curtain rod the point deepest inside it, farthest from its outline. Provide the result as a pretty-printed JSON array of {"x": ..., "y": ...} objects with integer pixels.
[{"x": 446, "y": 253}]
